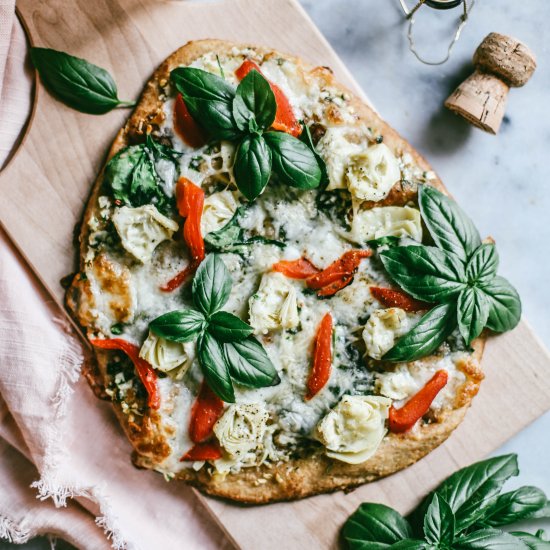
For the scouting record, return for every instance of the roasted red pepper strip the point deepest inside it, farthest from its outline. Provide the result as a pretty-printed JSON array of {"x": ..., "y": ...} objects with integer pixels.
[
  {"x": 322, "y": 358},
  {"x": 333, "y": 288},
  {"x": 403, "y": 419},
  {"x": 391, "y": 297},
  {"x": 296, "y": 269},
  {"x": 185, "y": 126},
  {"x": 145, "y": 371},
  {"x": 203, "y": 451},
  {"x": 206, "y": 411},
  {"x": 340, "y": 269},
  {"x": 285, "y": 121},
  {"x": 190, "y": 203}
]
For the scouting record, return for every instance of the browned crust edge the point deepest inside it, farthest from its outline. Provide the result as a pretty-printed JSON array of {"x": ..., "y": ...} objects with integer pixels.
[{"x": 315, "y": 473}]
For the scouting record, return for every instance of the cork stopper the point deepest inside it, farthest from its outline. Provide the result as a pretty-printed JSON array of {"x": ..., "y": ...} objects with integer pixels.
[{"x": 501, "y": 62}]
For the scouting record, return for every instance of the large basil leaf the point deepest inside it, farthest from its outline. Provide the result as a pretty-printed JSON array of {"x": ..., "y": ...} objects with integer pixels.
[
  {"x": 249, "y": 364},
  {"x": 514, "y": 506},
  {"x": 472, "y": 490},
  {"x": 305, "y": 136},
  {"x": 504, "y": 304},
  {"x": 132, "y": 178},
  {"x": 473, "y": 311},
  {"x": 489, "y": 539},
  {"x": 254, "y": 106},
  {"x": 209, "y": 100},
  {"x": 533, "y": 542},
  {"x": 410, "y": 544},
  {"x": 432, "y": 330},
  {"x": 425, "y": 272},
  {"x": 439, "y": 522},
  {"x": 451, "y": 229},
  {"x": 252, "y": 166},
  {"x": 211, "y": 285},
  {"x": 215, "y": 367},
  {"x": 226, "y": 327},
  {"x": 77, "y": 82},
  {"x": 179, "y": 326},
  {"x": 375, "y": 527},
  {"x": 293, "y": 161},
  {"x": 483, "y": 265}
]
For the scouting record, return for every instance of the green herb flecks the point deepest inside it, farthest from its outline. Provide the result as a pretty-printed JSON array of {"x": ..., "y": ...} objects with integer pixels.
[
  {"x": 464, "y": 513},
  {"x": 228, "y": 352},
  {"x": 459, "y": 274},
  {"x": 244, "y": 115},
  {"x": 77, "y": 82}
]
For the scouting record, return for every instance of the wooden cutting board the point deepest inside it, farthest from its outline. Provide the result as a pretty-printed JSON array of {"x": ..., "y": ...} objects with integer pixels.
[{"x": 46, "y": 185}]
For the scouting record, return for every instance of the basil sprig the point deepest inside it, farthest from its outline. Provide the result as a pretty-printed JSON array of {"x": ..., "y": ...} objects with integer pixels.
[
  {"x": 227, "y": 350},
  {"x": 244, "y": 115},
  {"x": 459, "y": 274},
  {"x": 77, "y": 82},
  {"x": 463, "y": 513},
  {"x": 132, "y": 177}
]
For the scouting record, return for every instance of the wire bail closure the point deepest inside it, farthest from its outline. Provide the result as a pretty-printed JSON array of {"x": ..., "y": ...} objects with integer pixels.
[{"x": 438, "y": 5}]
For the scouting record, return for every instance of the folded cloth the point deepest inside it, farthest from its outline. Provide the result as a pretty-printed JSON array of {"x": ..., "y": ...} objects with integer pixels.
[{"x": 57, "y": 441}]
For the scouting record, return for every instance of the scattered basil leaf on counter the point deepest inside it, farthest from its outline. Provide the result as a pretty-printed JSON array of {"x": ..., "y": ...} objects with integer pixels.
[
  {"x": 243, "y": 115},
  {"x": 76, "y": 82},
  {"x": 456, "y": 516},
  {"x": 460, "y": 271},
  {"x": 227, "y": 351}
]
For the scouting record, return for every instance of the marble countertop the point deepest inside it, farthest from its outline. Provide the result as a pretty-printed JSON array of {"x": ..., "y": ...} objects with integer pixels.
[{"x": 500, "y": 180}]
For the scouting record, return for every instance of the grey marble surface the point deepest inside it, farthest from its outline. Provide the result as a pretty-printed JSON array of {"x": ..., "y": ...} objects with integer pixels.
[{"x": 502, "y": 181}]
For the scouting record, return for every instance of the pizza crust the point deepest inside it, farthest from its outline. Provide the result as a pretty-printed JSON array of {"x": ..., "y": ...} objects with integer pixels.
[{"x": 313, "y": 473}]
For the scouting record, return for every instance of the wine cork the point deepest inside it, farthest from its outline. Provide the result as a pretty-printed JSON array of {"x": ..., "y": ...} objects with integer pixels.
[{"x": 501, "y": 62}]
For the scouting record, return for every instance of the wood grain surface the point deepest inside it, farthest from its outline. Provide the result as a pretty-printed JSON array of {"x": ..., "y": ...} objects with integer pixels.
[{"x": 45, "y": 186}]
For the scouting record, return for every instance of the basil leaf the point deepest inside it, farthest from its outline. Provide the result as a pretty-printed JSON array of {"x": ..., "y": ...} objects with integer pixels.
[
  {"x": 211, "y": 285},
  {"x": 489, "y": 539},
  {"x": 209, "y": 100},
  {"x": 544, "y": 512},
  {"x": 375, "y": 526},
  {"x": 230, "y": 233},
  {"x": 161, "y": 151},
  {"x": 425, "y": 272},
  {"x": 132, "y": 179},
  {"x": 254, "y": 106},
  {"x": 226, "y": 327},
  {"x": 390, "y": 241},
  {"x": 179, "y": 326},
  {"x": 249, "y": 364},
  {"x": 515, "y": 505},
  {"x": 504, "y": 304},
  {"x": 471, "y": 490},
  {"x": 410, "y": 544},
  {"x": 473, "y": 311},
  {"x": 293, "y": 161},
  {"x": 483, "y": 265},
  {"x": 305, "y": 137},
  {"x": 425, "y": 337},
  {"x": 533, "y": 542},
  {"x": 252, "y": 166},
  {"x": 451, "y": 229},
  {"x": 439, "y": 522},
  {"x": 215, "y": 367},
  {"x": 77, "y": 82}
]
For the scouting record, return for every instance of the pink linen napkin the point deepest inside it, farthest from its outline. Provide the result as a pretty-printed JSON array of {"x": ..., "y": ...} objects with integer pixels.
[{"x": 64, "y": 462}]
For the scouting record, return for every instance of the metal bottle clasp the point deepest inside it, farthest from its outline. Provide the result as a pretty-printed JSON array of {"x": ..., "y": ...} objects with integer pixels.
[{"x": 439, "y": 5}]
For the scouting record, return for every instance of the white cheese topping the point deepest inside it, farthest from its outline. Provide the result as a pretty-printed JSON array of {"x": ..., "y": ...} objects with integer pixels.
[
  {"x": 353, "y": 430},
  {"x": 142, "y": 229},
  {"x": 385, "y": 221},
  {"x": 275, "y": 305}
]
